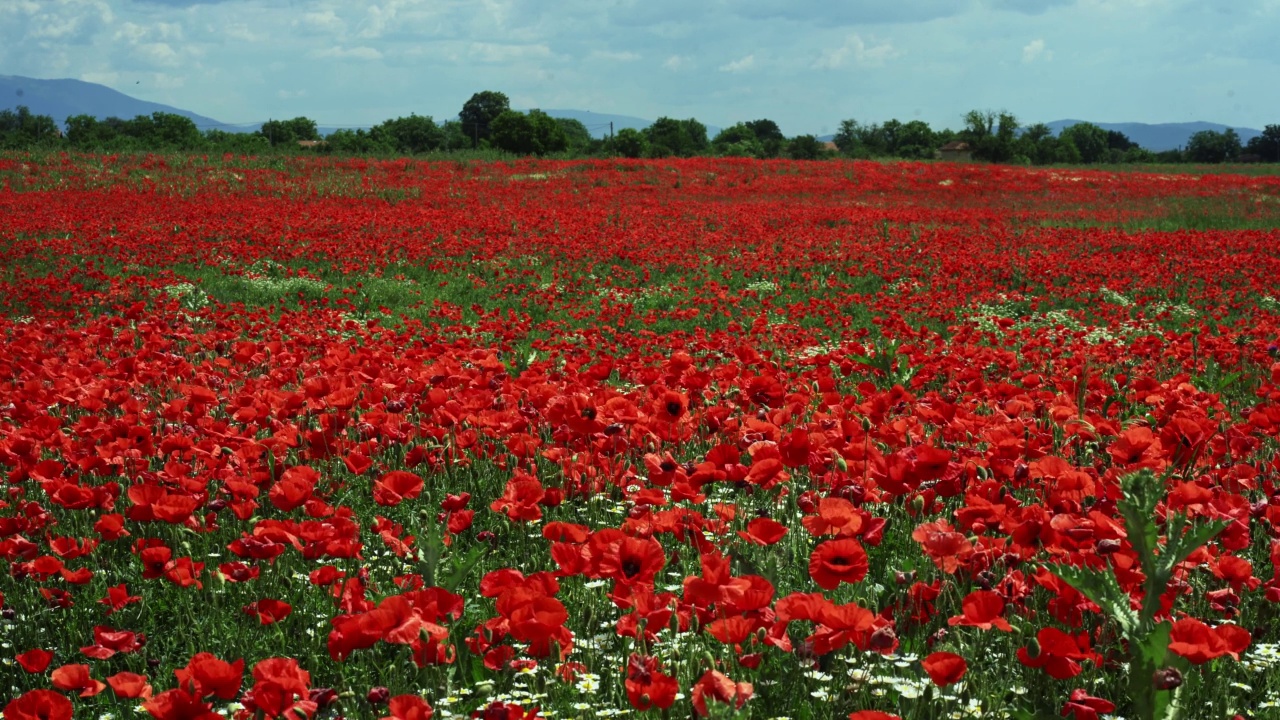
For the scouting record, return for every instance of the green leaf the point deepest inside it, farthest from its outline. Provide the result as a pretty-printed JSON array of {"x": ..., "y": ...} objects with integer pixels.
[
  {"x": 1103, "y": 589},
  {"x": 1179, "y": 547},
  {"x": 462, "y": 569}
]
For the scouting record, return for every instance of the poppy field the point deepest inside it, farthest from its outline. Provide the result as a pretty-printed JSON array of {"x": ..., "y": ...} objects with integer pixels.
[{"x": 320, "y": 438}]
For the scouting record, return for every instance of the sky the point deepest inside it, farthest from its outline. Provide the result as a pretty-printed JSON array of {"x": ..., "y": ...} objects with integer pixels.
[{"x": 806, "y": 64}]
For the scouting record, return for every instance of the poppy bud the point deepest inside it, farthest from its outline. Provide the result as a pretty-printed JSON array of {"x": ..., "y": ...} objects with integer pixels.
[
  {"x": 904, "y": 578},
  {"x": 486, "y": 536},
  {"x": 840, "y": 463},
  {"x": 1106, "y": 547},
  {"x": 1167, "y": 678},
  {"x": 917, "y": 503},
  {"x": 323, "y": 696},
  {"x": 395, "y": 406},
  {"x": 866, "y": 424},
  {"x": 377, "y": 695},
  {"x": 883, "y": 639},
  {"x": 1033, "y": 649},
  {"x": 981, "y": 473}
]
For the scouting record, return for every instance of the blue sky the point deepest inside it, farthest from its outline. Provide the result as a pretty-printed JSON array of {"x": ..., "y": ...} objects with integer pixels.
[{"x": 807, "y": 64}]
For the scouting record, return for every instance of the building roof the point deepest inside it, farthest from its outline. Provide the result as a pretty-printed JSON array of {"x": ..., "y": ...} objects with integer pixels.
[{"x": 956, "y": 146}]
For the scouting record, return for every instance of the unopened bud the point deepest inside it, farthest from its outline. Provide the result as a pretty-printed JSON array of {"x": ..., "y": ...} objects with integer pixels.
[
  {"x": 1167, "y": 678},
  {"x": 377, "y": 695},
  {"x": 1033, "y": 649}
]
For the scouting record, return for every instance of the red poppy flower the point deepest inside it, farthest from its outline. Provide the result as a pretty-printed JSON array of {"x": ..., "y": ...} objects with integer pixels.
[
  {"x": 646, "y": 686},
  {"x": 837, "y": 561},
  {"x": 633, "y": 560},
  {"x": 1058, "y": 653},
  {"x": 130, "y": 685},
  {"x": 178, "y": 704},
  {"x": 408, "y": 707},
  {"x": 714, "y": 685},
  {"x": 75, "y": 678},
  {"x": 39, "y": 705},
  {"x": 944, "y": 668},
  {"x": 268, "y": 610},
  {"x": 763, "y": 531},
  {"x": 982, "y": 609},
  {"x": 872, "y": 715},
  {"x": 206, "y": 675},
  {"x": 396, "y": 486},
  {"x": 35, "y": 660},
  {"x": 948, "y": 549},
  {"x": 1199, "y": 643},
  {"x": 1082, "y": 706}
]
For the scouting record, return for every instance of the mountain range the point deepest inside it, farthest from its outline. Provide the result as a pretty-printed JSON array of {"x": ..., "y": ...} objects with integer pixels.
[{"x": 64, "y": 98}]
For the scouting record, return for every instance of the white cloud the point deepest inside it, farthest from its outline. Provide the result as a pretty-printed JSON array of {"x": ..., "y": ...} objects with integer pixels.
[
  {"x": 872, "y": 54},
  {"x": 675, "y": 62},
  {"x": 742, "y": 64},
  {"x": 614, "y": 56},
  {"x": 1036, "y": 50},
  {"x": 343, "y": 53},
  {"x": 487, "y": 52}
]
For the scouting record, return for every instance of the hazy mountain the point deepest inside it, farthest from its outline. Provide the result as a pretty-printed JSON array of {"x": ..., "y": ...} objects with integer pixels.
[
  {"x": 61, "y": 99},
  {"x": 1161, "y": 136}
]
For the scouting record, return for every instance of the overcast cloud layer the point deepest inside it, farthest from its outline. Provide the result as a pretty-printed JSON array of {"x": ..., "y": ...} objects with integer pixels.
[{"x": 805, "y": 63}]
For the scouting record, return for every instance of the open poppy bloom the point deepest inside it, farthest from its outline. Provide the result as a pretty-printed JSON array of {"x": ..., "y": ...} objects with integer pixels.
[
  {"x": 837, "y": 561},
  {"x": 1199, "y": 643},
  {"x": 944, "y": 668},
  {"x": 39, "y": 705},
  {"x": 982, "y": 609},
  {"x": 714, "y": 685}
]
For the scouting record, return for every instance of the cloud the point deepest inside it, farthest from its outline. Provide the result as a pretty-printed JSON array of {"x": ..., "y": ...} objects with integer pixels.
[
  {"x": 1036, "y": 50},
  {"x": 1029, "y": 7},
  {"x": 824, "y": 12},
  {"x": 864, "y": 54},
  {"x": 674, "y": 63},
  {"x": 742, "y": 64},
  {"x": 615, "y": 56},
  {"x": 486, "y": 52},
  {"x": 344, "y": 53}
]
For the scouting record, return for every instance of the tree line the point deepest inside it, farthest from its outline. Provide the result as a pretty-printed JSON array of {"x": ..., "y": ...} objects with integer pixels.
[{"x": 486, "y": 121}]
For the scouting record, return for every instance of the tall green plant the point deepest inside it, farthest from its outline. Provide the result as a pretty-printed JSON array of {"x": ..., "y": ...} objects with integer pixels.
[{"x": 1154, "y": 697}]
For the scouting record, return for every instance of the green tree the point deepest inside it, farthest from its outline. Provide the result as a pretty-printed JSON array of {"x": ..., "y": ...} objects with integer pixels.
[
  {"x": 769, "y": 135},
  {"x": 452, "y": 135},
  {"x": 631, "y": 143},
  {"x": 738, "y": 141},
  {"x": 531, "y": 133},
  {"x": 20, "y": 129},
  {"x": 576, "y": 134},
  {"x": 1208, "y": 146},
  {"x": 358, "y": 142},
  {"x": 915, "y": 140},
  {"x": 84, "y": 132},
  {"x": 992, "y": 135},
  {"x": 1266, "y": 145},
  {"x": 479, "y": 112},
  {"x": 668, "y": 136},
  {"x": 243, "y": 143},
  {"x": 176, "y": 132},
  {"x": 408, "y": 135},
  {"x": 1091, "y": 140},
  {"x": 857, "y": 140},
  {"x": 287, "y": 133},
  {"x": 805, "y": 147}
]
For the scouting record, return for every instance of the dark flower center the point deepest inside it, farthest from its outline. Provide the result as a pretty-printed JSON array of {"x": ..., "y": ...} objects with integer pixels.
[
  {"x": 630, "y": 568},
  {"x": 673, "y": 408}
]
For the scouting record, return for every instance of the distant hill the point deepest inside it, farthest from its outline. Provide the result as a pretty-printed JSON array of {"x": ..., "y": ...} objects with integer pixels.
[
  {"x": 61, "y": 99},
  {"x": 1161, "y": 136}
]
